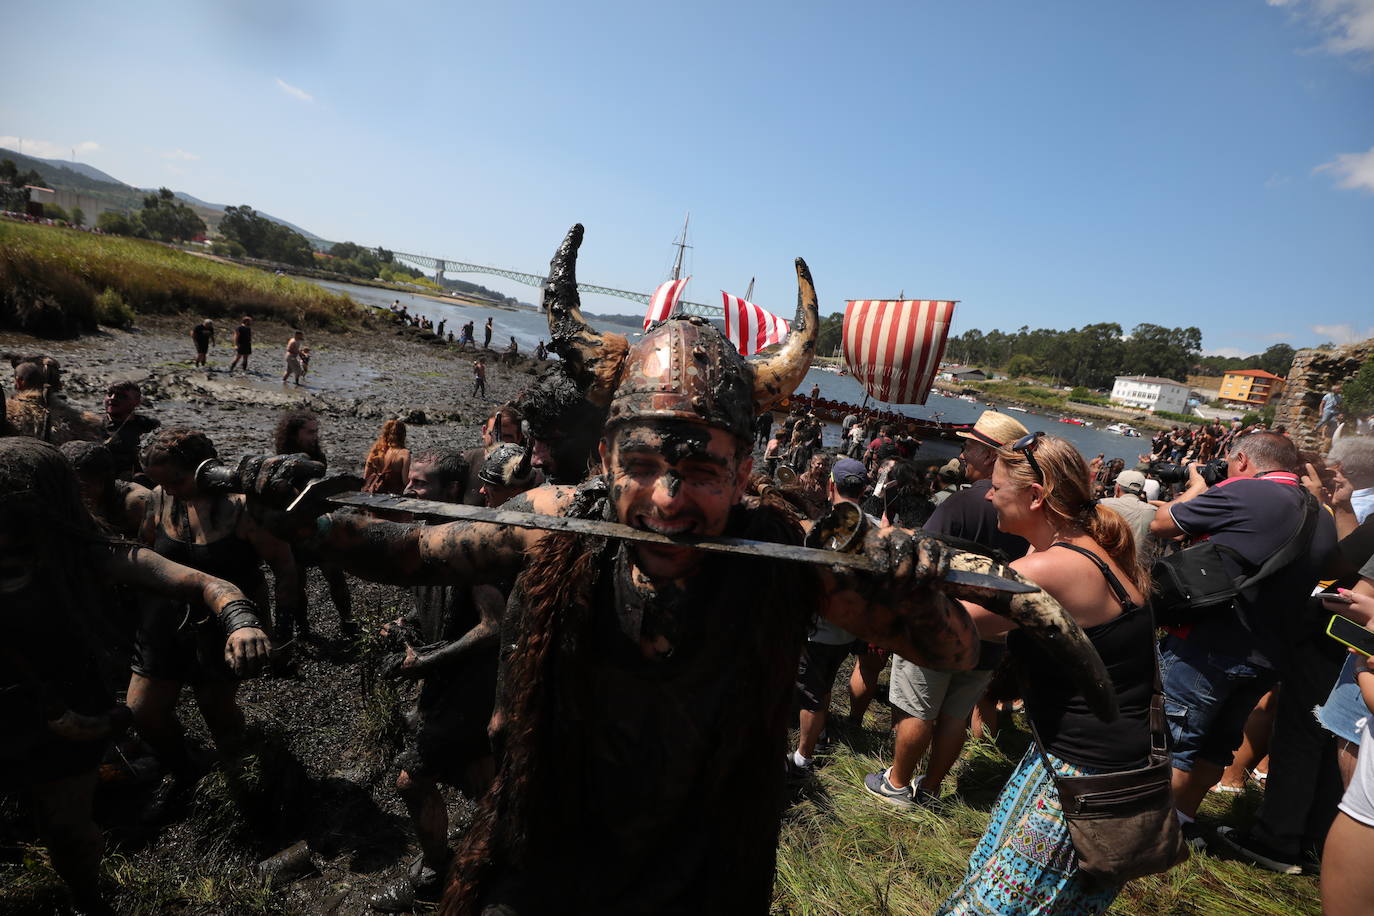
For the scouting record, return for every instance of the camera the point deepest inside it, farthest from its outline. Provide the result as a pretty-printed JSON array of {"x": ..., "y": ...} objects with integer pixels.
[{"x": 1166, "y": 472}]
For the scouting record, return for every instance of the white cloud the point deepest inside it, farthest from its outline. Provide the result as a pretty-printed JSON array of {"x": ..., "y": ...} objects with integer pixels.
[
  {"x": 294, "y": 92},
  {"x": 1233, "y": 352},
  {"x": 46, "y": 149},
  {"x": 1348, "y": 25},
  {"x": 181, "y": 154},
  {"x": 1342, "y": 333},
  {"x": 1275, "y": 180},
  {"x": 1353, "y": 170}
]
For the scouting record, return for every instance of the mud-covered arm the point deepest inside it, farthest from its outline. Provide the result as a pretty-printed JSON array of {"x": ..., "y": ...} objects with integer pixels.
[
  {"x": 900, "y": 609},
  {"x": 456, "y": 553},
  {"x": 490, "y": 603},
  {"x": 246, "y": 645}
]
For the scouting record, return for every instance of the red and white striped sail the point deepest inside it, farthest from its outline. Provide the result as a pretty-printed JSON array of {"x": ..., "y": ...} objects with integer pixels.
[
  {"x": 664, "y": 300},
  {"x": 894, "y": 346},
  {"x": 749, "y": 327}
]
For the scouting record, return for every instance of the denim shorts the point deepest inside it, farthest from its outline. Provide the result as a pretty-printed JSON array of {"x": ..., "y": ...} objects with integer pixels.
[
  {"x": 1207, "y": 698},
  {"x": 1344, "y": 708}
]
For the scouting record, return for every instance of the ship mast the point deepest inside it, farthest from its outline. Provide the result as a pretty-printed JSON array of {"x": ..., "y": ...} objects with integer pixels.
[{"x": 682, "y": 246}]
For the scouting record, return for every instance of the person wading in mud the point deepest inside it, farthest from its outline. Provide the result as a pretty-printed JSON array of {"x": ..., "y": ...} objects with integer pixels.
[
  {"x": 125, "y": 428},
  {"x": 643, "y": 715},
  {"x": 293, "y": 357},
  {"x": 448, "y": 641},
  {"x": 203, "y": 336},
  {"x": 298, "y": 433},
  {"x": 486, "y": 336},
  {"x": 243, "y": 343},
  {"x": 56, "y": 574},
  {"x": 504, "y": 425},
  {"x": 479, "y": 378}
]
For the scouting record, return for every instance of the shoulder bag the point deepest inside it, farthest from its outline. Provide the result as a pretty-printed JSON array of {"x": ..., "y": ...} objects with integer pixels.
[
  {"x": 1192, "y": 582},
  {"x": 1123, "y": 825}
]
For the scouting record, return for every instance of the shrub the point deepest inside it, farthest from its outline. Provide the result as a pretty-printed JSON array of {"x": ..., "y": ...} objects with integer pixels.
[{"x": 112, "y": 310}]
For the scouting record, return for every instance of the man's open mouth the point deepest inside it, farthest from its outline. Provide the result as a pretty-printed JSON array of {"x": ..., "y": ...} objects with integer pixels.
[{"x": 670, "y": 528}]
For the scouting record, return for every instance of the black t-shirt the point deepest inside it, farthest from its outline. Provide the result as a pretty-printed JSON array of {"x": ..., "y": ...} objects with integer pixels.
[
  {"x": 201, "y": 335},
  {"x": 967, "y": 514},
  {"x": 1255, "y": 516},
  {"x": 243, "y": 338},
  {"x": 123, "y": 438}
]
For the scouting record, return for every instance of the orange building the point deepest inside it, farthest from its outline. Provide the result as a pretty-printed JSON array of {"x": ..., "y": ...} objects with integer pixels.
[{"x": 1250, "y": 388}]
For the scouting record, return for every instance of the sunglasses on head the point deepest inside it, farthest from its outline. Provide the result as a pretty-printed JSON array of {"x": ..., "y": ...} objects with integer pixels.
[{"x": 1027, "y": 445}]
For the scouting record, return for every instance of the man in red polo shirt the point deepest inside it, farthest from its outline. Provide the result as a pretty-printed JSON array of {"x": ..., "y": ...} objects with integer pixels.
[{"x": 1215, "y": 670}]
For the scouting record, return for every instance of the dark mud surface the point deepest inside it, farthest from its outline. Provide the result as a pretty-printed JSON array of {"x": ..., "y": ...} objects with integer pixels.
[{"x": 327, "y": 734}]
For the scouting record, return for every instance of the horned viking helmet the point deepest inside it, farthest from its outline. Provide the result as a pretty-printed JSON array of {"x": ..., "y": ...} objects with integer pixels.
[{"x": 683, "y": 368}]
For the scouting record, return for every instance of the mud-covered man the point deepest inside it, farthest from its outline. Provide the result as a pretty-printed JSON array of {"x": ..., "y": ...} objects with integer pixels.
[
  {"x": 448, "y": 641},
  {"x": 125, "y": 427},
  {"x": 645, "y": 699}
]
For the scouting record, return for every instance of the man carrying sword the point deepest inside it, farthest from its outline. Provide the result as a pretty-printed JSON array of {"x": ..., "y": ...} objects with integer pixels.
[{"x": 645, "y": 700}]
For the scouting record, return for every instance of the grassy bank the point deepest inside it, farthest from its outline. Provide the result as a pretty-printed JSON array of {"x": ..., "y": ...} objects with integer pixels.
[
  {"x": 845, "y": 852},
  {"x": 61, "y": 282}
]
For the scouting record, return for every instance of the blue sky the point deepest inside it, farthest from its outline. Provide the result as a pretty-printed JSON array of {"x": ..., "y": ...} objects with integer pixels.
[{"x": 1049, "y": 164}]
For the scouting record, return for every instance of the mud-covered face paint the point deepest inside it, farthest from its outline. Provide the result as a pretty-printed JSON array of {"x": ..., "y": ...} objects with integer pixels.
[{"x": 675, "y": 478}]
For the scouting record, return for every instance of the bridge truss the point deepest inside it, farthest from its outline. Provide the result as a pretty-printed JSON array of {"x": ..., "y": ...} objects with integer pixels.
[{"x": 440, "y": 266}]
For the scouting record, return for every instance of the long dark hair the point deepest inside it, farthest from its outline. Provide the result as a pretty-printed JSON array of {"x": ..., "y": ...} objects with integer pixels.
[{"x": 284, "y": 436}]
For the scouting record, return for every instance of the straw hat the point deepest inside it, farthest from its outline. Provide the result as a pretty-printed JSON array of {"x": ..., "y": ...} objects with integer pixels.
[
  {"x": 951, "y": 470},
  {"x": 995, "y": 430}
]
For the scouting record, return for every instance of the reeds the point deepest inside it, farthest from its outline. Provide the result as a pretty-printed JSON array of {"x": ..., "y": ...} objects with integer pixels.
[{"x": 51, "y": 281}]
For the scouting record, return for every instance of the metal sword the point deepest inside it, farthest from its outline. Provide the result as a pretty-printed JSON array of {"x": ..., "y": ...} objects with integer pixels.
[{"x": 341, "y": 490}]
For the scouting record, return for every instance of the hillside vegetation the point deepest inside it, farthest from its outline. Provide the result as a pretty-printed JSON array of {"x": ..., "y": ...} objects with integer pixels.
[{"x": 58, "y": 282}]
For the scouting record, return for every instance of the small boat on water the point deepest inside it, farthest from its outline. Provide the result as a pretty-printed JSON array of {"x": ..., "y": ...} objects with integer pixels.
[
  {"x": 1019, "y": 409},
  {"x": 1123, "y": 429},
  {"x": 1075, "y": 421},
  {"x": 968, "y": 397}
]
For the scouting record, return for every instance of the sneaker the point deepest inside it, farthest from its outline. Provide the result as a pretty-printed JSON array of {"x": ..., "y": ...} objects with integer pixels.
[
  {"x": 1195, "y": 837},
  {"x": 796, "y": 773},
  {"x": 1241, "y": 844},
  {"x": 877, "y": 784}
]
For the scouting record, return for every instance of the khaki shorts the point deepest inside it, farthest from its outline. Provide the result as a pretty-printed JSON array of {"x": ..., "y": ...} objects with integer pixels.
[{"x": 928, "y": 694}]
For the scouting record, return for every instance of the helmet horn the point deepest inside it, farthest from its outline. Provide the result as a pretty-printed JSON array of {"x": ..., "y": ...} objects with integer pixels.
[
  {"x": 592, "y": 358},
  {"x": 777, "y": 376}
]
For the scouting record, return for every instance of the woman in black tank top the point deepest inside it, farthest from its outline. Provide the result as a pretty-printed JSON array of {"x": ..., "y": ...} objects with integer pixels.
[
  {"x": 1083, "y": 555},
  {"x": 178, "y": 644}
]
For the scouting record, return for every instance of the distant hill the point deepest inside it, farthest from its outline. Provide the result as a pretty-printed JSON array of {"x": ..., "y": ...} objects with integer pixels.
[{"x": 109, "y": 193}]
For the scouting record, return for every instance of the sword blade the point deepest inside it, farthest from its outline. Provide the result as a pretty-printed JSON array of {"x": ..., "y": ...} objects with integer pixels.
[{"x": 957, "y": 582}]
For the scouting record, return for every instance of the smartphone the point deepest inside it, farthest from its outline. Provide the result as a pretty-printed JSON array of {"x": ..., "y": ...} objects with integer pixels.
[
  {"x": 1351, "y": 634},
  {"x": 1335, "y": 597}
]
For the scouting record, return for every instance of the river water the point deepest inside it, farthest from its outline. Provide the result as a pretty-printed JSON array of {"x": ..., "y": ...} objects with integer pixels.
[{"x": 531, "y": 327}]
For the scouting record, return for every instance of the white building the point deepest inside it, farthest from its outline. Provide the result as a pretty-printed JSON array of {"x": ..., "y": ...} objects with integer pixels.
[{"x": 1150, "y": 393}]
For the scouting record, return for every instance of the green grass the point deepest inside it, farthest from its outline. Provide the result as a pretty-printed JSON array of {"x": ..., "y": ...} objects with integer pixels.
[
  {"x": 844, "y": 852},
  {"x": 59, "y": 282},
  {"x": 1023, "y": 393}
]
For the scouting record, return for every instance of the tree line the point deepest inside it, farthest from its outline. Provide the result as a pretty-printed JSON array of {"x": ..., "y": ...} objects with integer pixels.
[{"x": 1094, "y": 355}]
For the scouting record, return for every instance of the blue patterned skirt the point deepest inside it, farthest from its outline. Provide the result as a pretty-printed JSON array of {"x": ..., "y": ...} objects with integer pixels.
[{"x": 1025, "y": 863}]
